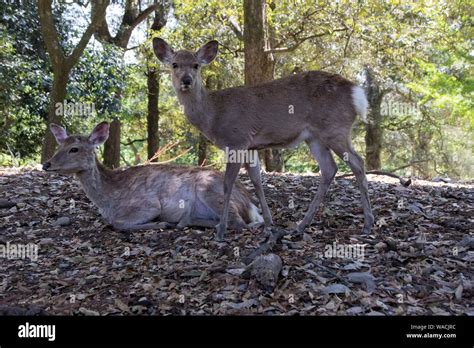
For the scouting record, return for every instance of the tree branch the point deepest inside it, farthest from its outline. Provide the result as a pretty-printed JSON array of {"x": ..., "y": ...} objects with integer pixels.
[
  {"x": 234, "y": 26},
  {"x": 50, "y": 34},
  {"x": 300, "y": 41},
  {"x": 404, "y": 182},
  {"x": 130, "y": 142},
  {"x": 129, "y": 22},
  {"x": 142, "y": 15},
  {"x": 102, "y": 33},
  {"x": 98, "y": 17}
]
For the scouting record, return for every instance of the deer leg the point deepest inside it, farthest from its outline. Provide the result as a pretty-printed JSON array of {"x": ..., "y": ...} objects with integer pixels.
[
  {"x": 344, "y": 149},
  {"x": 255, "y": 177},
  {"x": 212, "y": 224},
  {"x": 231, "y": 173},
  {"x": 356, "y": 163},
  {"x": 146, "y": 226},
  {"x": 328, "y": 169},
  {"x": 134, "y": 218}
]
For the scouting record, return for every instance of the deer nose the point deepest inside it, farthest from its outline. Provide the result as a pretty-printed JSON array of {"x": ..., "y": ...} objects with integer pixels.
[
  {"x": 46, "y": 165},
  {"x": 187, "y": 80}
]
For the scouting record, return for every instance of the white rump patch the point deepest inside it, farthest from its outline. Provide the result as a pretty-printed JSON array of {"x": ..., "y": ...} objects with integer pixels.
[
  {"x": 254, "y": 214},
  {"x": 360, "y": 102}
]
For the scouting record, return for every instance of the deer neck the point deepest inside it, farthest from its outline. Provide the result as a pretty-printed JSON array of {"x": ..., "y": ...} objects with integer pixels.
[
  {"x": 96, "y": 184},
  {"x": 197, "y": 107}
]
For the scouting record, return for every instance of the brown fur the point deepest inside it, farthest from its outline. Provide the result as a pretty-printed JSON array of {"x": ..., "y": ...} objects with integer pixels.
[{"x": 325, "y": 107}]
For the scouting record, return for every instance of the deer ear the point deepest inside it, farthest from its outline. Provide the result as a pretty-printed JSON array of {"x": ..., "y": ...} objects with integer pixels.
[
  {"x": 59, "y": 133},
  {"x": 208, "y": 52},
  {"x": 162, "y": 50},
  {"x": 100, "y": 134}
]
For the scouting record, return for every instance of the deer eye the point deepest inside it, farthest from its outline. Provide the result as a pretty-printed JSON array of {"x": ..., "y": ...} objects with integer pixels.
[
  {"x": 174, "y": 65},
  {"x": 196, "y": 66},
  {"x": 73, "y": 150}
]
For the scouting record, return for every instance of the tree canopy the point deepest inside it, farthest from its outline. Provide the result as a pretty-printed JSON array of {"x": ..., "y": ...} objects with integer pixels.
[{"x": 419, "y": 55}]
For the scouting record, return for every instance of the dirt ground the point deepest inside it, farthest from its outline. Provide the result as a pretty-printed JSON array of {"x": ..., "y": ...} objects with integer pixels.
[{"x": 417, "y": 261}]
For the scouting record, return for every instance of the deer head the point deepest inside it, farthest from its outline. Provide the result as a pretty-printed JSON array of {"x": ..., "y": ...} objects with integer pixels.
[
  {"x": 76, "y": 153},
  {"x": 185, "y": 65}
]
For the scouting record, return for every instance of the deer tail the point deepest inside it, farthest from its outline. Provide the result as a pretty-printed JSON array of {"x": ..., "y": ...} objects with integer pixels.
[
  {"x": 360, "y": 102},
  {"x": 254, "y": 214}
]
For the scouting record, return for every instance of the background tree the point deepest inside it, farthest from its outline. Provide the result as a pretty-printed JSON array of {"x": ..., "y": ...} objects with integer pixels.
[
  {"x": 419, "y": 55},
  {"x": 131, "y": 18},
  {"x": 153, "y": 85},
  {"x": 259, "y": 61},
  {"x": 61, "y": 62}
]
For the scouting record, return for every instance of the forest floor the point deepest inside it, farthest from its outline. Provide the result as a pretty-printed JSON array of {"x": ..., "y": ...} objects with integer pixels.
[{"x": 417, "y": 261}]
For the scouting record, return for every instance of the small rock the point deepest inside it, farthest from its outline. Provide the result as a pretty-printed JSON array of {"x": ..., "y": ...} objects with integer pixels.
[
  {"x": 46, "y": 241},
  {"x": 392, "y": 244},
  {"x": 242, "y": 305},
  {"x": 6, "y": 204},
  {"x": 235, "y": 271},
  {"x": 439, "y": 179},
  {"x": 363, "y": 278},
  {"x": 88, "y": 312},
  {"x": 148, "y": 287},
  {"x": 380, "y": 246},
  {"x": 266, "y": 270},
  {"x": 63, "y": 265},
  {"x": 336, "y": 289},
  {"x": 17, "y": 311},
  {"x": 63, "y": 221},
  {"x": 355, "y": 310},
  {"x": 468, "y": 242}
]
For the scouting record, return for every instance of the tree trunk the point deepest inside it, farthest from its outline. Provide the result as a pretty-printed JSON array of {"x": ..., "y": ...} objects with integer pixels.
[
  {"x": 131, "y": 18},
  {"x": 373, "y": 142},
  {"x": 112, "y": 146},
  {"x": 58, "y": 94},
  {"x": 422, "y": 151},
  {"x": 61, "y": 63},
  {"x": 374, "y": 131},
  {"x": 153, "y": 116},
  {"x": 273, "y": 160},
  {"x": 259, "y": 64},
  {"x": 202, "y": 149}
]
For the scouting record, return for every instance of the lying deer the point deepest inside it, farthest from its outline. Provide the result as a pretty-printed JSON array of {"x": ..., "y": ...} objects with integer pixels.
[
  {"x": 316, "y": 107},
  {"x": 131, "y": 199}
]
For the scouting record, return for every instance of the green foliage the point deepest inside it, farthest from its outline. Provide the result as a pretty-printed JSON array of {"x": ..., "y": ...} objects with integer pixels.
[
  {"x": 420, "y": 52},
  {"x": 26, "y": 79}
]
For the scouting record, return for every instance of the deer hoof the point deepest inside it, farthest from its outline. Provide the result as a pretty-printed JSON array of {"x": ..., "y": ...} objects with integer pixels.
[
  {"x": 369, "y": 221},
  {"x": 220, "y": 229},
  {"x": 256, "y": 225},
  {"x": 268, "y": 222},
  {"x": 299, "y": 230},
  {"x": 367, "y": 229}
]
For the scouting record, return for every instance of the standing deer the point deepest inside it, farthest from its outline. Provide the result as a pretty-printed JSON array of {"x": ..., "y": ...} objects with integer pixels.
[
  {"x": 131, "y": 199},
  {"x": 315, "y": 106}
]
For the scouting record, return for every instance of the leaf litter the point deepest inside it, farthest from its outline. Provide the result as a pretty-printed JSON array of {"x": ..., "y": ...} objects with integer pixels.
[{"x": 417, "y": 261}]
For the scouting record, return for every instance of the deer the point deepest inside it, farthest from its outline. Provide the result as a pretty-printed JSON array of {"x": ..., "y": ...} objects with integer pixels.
[
  {"x": 135, "y": 197},
  {"x": 316, "y": 107}
]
